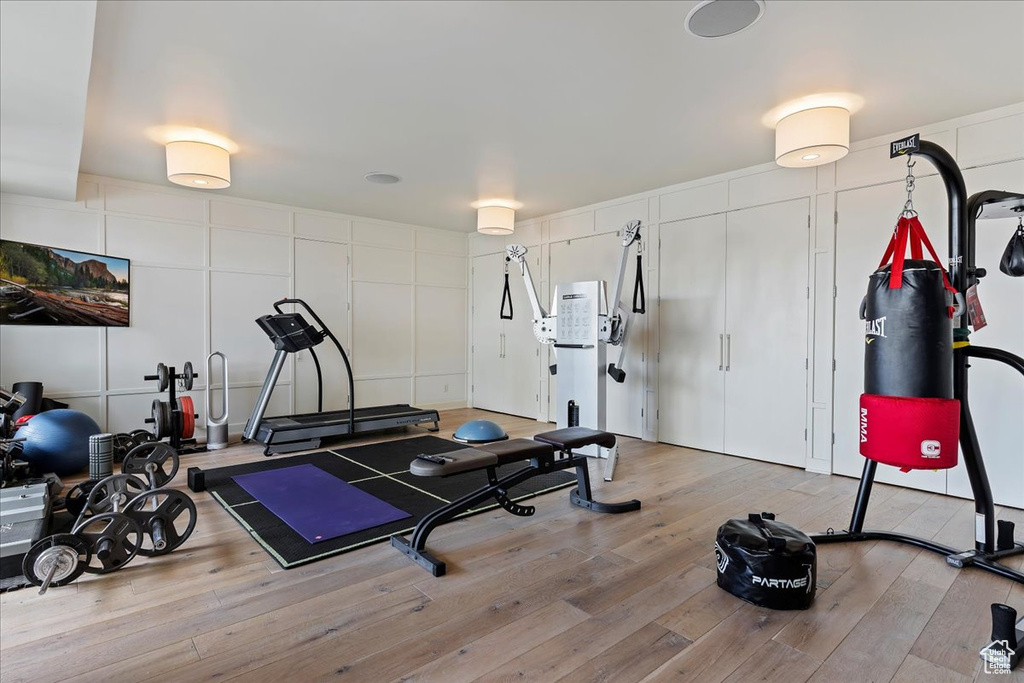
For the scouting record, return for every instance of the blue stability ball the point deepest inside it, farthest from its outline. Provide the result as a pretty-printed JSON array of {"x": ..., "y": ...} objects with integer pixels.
[
  {"x": 479, "y": 431},
  {"x": 58, "y": 441}
]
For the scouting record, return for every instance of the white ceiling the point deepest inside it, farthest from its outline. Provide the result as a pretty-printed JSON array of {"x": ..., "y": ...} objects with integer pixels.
[
  {"x": 557, "y": 104},
  {"x": 45, "y": 49}
]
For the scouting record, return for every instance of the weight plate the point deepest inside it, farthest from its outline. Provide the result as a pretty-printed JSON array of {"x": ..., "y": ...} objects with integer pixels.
[
  {"x": 161, "y": 419},
  {"x": 140, "y": 436},
  {"x": 162, "y": 377},
  {"x": 154, "y": 462},
  {"x": 114, "y": 493},
  {"x": 188, "y": 375},
  {"x": 66, "y": 554},
  {"x": 113, "y": 538},
  {"x": 78, "y": 497},
  {"x": 122, "y": 443},
  {"x": 188, "y": 417},
  {"x": 167, "y": 509}
]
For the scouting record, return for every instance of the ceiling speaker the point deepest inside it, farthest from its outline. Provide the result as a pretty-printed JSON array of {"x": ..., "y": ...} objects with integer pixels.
[{"x": 717, "y": 18}]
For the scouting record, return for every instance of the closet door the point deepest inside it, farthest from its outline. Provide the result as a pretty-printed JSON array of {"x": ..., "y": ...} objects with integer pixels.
[
  {"x": 766, "y": 332},
  {"x": 691, "y": 376},
  {"x": 995, "y": 391},
  {"x": 321, "y": 280},
  {"x": 488, "y": 365},
  {"x": 520, "y": 349}
]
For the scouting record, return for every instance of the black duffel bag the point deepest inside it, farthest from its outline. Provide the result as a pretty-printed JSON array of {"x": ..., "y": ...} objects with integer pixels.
[{"x": 766, "y": 563}]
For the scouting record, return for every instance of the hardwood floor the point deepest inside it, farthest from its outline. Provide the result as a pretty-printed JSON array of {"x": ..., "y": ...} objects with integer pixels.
[{"x": 564, "y": 595}]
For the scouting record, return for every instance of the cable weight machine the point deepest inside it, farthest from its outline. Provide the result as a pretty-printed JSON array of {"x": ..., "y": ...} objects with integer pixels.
[{"x": 583, "y": 322}]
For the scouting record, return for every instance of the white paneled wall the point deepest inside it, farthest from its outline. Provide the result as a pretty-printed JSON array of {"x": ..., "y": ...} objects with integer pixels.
[
  {"x": 859, "y": 197},
  {"x": 205, "y": 267}
]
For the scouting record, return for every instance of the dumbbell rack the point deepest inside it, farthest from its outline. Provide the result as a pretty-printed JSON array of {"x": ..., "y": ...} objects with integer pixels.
[{"x": 166, "y": 378}]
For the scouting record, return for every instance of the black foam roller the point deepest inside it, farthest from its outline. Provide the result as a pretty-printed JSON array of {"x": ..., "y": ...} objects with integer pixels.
[
  {"x": 908, "y": 334},
  {"x": 33, "y": 393}
]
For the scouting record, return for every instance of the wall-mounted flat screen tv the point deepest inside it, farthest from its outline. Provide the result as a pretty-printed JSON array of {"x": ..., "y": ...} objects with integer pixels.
[{"x": 50, "y": 286}]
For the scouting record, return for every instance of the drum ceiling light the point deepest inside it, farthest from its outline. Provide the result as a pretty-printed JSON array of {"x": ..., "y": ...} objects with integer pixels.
[
  {"x": 199, "y": 165},
  {"x": 812, "y": 137},
  {"x": 496, "y": 216},
  {"x": 814, "y": 129}
]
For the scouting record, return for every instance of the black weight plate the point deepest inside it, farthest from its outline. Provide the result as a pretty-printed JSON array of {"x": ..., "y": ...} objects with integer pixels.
[
  {"x": 161, "y": 414},
  {"x": 156, "y": 459},
  {"x": 78, "y": 496},
  {"x": 141, "y": 436},
  {"x": 162, "y": 377},
  {"x": 188, "y": 375},
  {"x": 117, "y": 489},
  {"x": 69, "y": 552},
  {"x": 173, "y": 508},
  {"x": 113, "y": 538},
  {"x": 122, "y": 444}
]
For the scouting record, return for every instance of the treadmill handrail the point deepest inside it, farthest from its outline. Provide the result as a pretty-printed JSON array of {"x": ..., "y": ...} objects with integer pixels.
[{"x": 341, "y": 349}]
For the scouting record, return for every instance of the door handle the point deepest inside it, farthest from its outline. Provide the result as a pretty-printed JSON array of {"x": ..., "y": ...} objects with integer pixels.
[
  {"x": 728, "y": 351},
  {"x": 721, "y": 352},
  {"x": 501, "y": 345}
]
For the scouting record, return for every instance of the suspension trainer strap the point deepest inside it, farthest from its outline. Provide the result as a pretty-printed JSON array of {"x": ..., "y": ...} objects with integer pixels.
[
  {"x": 638, "y": 287},
  {"x": 506, "y": 296}
]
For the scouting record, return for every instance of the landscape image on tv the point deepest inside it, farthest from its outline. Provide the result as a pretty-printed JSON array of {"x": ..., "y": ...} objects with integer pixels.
[{"x": 49, "y": 286}]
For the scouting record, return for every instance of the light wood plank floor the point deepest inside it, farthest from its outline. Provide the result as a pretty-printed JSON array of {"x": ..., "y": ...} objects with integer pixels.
[{"x": 564, "y": 595}]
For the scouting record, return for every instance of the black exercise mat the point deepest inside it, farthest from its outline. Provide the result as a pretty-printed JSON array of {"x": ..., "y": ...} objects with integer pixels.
[{"x": 380, "y": 469}]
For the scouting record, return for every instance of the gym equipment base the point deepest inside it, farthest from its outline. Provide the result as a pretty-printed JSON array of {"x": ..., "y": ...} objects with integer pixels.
[
  {"x": 292, "y": 433},
  {"x": 954, "y": 557}
]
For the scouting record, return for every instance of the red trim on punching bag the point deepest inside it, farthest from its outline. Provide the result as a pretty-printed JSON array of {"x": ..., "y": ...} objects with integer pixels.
[{"x": 910, "y": 433}]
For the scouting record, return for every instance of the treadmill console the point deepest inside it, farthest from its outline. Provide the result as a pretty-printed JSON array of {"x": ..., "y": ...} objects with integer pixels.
[{"x": 290, "y": 332}]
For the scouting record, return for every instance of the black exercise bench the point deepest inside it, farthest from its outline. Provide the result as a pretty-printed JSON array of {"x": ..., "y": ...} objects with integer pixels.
[{"x": 547, "y": 452}]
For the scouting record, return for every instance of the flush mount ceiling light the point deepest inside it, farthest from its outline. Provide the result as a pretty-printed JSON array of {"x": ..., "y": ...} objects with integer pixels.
[
  {"x": 382, "y": 178},
  {"x": 812, "y": 137},
  {"x": 496, "y": 216},
  {"x": 814, "y": 129},
  {"x": 717, "y": 18},
  {"x": 198, "y": 164}
]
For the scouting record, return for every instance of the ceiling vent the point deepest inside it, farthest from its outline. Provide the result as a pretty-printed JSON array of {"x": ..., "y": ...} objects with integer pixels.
[
  {"x": 382, "y": 178},
  {"x": 717, "y": 18}
]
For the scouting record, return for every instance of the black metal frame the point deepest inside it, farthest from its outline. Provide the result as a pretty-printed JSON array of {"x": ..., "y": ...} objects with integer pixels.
[
  {"x": 289, "y": 433},
  {"x": 988, "y": 548},
  {"x": 181, "y": 446},
  {"x": 498, "y": 489}
]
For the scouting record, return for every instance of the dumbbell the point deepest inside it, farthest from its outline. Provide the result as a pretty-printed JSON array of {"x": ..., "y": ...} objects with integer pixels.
[{"x": 113, "y": 537}]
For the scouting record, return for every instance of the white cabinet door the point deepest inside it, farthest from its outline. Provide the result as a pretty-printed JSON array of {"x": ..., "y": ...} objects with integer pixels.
[
  {"x": 691, "y": 377},
  {"x": 520, "y": 349},
  {"x": 766, "y": 332},
  {"x": 866, "y": 220},
  {"x": 597, "y": 258},
  {"x": 488, "y": 365},
  {"x": 995, "y": 391},
  {"x": 321, "y": 280}
]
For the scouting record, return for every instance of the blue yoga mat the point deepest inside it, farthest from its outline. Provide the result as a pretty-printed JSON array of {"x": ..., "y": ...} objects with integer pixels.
[{"x": 316, "y": 504}]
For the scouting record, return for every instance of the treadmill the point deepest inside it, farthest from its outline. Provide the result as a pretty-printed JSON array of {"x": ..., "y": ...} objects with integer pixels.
[{"x": 288, "y": 433}]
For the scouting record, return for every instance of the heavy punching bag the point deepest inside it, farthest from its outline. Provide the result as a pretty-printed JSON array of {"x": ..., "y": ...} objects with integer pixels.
[{"x": 908, "y": 417}]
